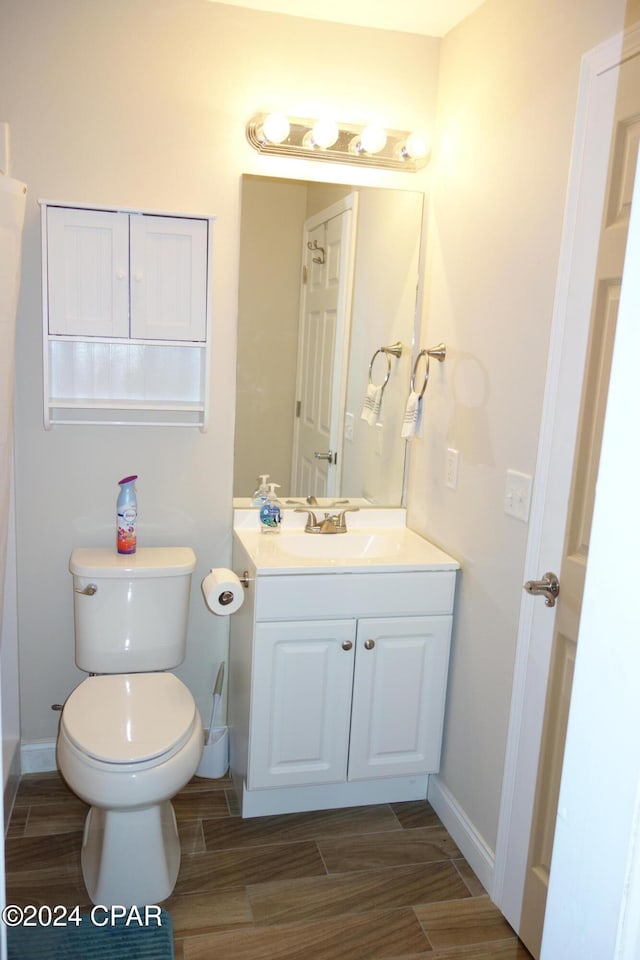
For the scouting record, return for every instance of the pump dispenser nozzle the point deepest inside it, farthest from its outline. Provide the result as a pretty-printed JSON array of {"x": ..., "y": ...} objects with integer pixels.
[{"x": 260, "y": 494}]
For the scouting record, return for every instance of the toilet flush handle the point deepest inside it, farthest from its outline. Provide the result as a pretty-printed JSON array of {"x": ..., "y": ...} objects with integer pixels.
[{"x": 88, "y": 591}]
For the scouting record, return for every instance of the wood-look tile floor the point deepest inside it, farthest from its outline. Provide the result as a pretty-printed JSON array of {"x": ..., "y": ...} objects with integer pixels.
[{"x": 363, "y": 883}]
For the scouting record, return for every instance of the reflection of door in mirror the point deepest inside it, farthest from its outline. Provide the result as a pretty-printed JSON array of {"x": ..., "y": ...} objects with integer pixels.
[
  {"x": 325, "y": 315},
  {"x": 371, "y": 459}
]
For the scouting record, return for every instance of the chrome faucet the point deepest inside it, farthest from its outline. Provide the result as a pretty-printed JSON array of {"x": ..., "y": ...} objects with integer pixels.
[{"x": 330, "y": 523}]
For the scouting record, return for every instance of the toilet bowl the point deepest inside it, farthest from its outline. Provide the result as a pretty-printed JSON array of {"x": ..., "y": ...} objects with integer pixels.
[
  {"x": 130, "y": 735},
  {"x": 127, "y": 743}
]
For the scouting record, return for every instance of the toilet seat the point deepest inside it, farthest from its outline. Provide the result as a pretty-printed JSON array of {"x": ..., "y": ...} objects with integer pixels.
[{"x": 129, "y": 718}]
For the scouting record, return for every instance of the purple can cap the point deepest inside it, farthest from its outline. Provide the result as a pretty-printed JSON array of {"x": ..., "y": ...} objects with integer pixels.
[{"x": 129, "y": 479}]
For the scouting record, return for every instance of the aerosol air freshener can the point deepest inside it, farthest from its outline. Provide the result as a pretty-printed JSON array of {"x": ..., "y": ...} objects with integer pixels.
[{"x": 127, "y": 508}]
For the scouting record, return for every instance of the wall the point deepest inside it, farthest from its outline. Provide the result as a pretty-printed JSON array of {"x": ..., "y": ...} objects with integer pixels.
[
  {"x": 273, "y": 213},
  {"x": 384, "y": 308},
  {"x": 144, "y": 104},
  {"x": 507, "y": 96}
]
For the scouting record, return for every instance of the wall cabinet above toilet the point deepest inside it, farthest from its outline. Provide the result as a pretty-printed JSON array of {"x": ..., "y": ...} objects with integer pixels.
[
  {"x": 115, "y": 274},
  {"x": 126, "y": 302}
]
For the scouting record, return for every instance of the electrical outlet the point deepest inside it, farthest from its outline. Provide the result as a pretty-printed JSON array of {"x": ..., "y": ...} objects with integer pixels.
[
  {"x": 517, "y": 495},
  {"x": 451, "y": 478}
]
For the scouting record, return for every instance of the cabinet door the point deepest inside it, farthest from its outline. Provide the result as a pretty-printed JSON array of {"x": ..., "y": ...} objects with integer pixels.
[
  {"x": 87, "y": 272},
  {"x": 398, "y": 696},
  {"x": 168, "y": 278},
  {"x": 301, "y": 698}
]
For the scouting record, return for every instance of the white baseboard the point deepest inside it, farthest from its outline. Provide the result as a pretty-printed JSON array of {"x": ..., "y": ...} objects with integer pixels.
[
  {"x": 475, "y": 850},
  {"x": 11, "y": 772},
  {"x": 38, "y": 756}
]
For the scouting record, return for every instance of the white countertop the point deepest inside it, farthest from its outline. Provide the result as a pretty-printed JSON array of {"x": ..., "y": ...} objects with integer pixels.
[{"x": 377, "y": 541}]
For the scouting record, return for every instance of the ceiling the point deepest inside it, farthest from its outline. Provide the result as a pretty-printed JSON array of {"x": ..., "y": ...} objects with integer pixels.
[{"x": 428, "y": 17}]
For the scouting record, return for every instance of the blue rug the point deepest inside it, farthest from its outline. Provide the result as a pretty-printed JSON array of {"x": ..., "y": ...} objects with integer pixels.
[{"x": 95, "y": 936}]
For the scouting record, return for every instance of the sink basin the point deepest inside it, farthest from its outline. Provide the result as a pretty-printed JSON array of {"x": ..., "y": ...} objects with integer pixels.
[
  {"x": 341, "y": 546},
  {"x": 376, "y": 541}
]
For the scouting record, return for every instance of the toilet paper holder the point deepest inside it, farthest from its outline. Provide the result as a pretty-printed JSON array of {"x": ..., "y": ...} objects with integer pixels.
[{"x": 226, "y": 597}]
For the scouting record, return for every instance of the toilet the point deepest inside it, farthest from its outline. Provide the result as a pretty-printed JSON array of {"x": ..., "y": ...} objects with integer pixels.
[{"x": 130, "y": 734}]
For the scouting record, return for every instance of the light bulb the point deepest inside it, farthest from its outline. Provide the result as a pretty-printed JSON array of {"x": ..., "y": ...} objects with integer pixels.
[
  {"x": 373, "y": 139},
  {"x": 416, "y": 146},
  {"x": 274, "y": 128},
  {"x": 325, "y": 133}
]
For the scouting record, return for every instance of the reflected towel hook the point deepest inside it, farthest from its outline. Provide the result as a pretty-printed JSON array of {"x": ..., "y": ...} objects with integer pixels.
[
  {"x": 394, "y": 350},
  {"x": 439, "y": 352},
  {"x": 314, "y": 246}
]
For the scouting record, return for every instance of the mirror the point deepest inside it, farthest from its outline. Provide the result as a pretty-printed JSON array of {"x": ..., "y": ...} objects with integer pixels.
[{"x": 328, "y": 277}]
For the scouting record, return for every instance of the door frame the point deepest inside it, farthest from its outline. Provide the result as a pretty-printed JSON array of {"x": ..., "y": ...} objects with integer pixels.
[{"x": 560, "y": 413}]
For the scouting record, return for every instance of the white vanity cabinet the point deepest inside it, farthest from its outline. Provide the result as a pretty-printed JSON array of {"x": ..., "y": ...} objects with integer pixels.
[
  {"x": 126, "y": 299},
  {"x": 337, "y": 687},
  {"x": 347, "y": 699}
]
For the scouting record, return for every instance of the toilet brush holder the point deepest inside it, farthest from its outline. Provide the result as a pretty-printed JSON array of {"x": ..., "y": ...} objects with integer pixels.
[{"x": 214, "y": 762}]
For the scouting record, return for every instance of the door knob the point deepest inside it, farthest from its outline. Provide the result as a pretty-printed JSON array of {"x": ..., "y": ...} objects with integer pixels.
[
  {"x": 347, "y": 645},
  {"x": 369, "y": 644},
  {"x": 548, "y": 587}
]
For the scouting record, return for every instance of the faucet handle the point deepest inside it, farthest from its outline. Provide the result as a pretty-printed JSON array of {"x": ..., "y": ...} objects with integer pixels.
[
  {"x": 348, "y": 510},
  {"x": 312, "y": 520}
]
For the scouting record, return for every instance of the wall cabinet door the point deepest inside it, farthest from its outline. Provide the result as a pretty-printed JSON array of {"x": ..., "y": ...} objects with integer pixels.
[
  {"x": 301, "y": 701},
  {"x": 88, "y": 272},
  {"x": 168, "y": 278},
  {"x": 398, "y": 696},
  {"x": 136, "y": 276}
]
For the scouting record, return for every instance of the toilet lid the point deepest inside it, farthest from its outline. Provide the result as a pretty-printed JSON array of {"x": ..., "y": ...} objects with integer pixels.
[{"x": 128, "y": 718}]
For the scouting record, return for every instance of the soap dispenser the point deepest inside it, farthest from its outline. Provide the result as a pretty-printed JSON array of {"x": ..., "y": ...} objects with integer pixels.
[
  {"x": 261, "y": 493},
  {"x": 270, "y": 512}
]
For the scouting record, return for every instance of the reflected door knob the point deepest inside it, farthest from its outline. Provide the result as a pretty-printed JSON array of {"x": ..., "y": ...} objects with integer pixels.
[{"x": 330, "y": 456}]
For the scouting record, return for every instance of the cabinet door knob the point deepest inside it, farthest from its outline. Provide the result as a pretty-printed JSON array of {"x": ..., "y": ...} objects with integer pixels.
[
  {"x": 369, "y": 644},
  {"x": 347, "y": 645}
]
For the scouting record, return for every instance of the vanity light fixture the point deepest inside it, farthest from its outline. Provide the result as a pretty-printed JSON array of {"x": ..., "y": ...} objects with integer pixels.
[{"x": 324, "y": 139}]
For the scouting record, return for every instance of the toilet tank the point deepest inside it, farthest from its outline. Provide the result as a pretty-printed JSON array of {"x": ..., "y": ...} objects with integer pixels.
[{"x": 131, "y": 612}]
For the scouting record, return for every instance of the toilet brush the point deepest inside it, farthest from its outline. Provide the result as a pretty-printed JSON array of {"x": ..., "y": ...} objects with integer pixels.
[{"x": 217, "y": 696}]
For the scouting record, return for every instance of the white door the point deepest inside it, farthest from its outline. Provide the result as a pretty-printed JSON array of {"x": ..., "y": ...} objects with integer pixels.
[
  {"x": 398, "y": 696},
  {"x": 87, "y": 255},
  {"x": 301, "y": 701},
  {"x": 587, "y": 456},
  {"x": 593, "y": 907},
  {"x": 547, "y": 646},
  {"x": 323, "y": 350},
  {"x": 168, "y": 278}
]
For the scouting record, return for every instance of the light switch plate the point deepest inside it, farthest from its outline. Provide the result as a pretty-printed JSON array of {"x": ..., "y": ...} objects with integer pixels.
[
  {"x": 348, "y": 426},
  {"x": 517, "y": 495}
]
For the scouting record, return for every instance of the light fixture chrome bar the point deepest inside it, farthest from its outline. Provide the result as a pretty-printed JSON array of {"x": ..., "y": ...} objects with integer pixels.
[{"x": 346, "y": 149}]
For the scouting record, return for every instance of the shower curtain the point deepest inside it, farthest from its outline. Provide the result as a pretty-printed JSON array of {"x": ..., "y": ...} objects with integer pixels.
[{"x": 13, "y": 196}]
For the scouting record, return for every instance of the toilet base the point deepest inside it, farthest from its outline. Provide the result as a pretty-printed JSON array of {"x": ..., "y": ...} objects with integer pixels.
[{"x": 130, "y": 857}]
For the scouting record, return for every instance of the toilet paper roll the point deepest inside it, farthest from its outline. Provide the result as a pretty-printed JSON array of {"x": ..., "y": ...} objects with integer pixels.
[{"x": 222, "y": 591}]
